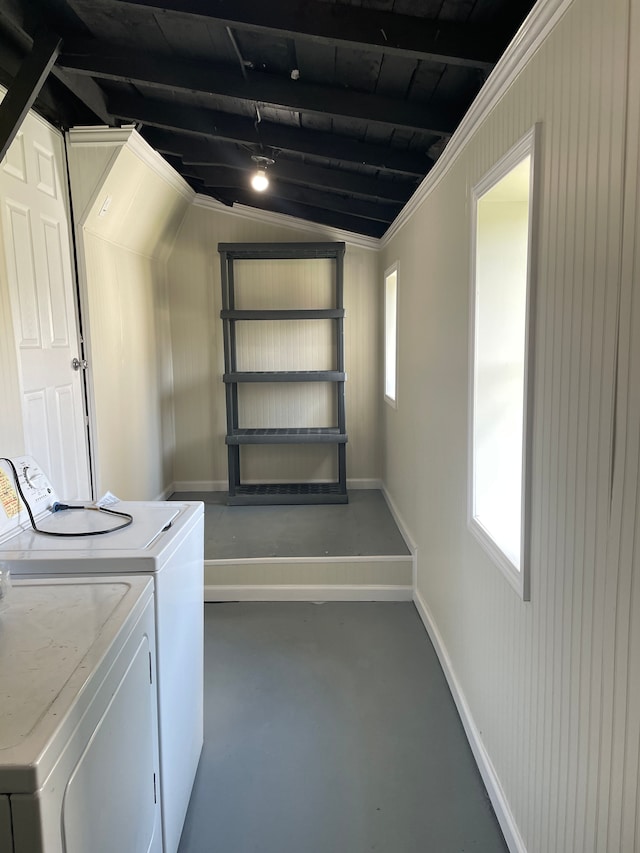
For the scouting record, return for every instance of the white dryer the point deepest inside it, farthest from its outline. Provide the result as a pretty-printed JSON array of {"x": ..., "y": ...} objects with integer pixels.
[
  {"x": 78, "y": 739},
  {"x": 165, "y": 541}
]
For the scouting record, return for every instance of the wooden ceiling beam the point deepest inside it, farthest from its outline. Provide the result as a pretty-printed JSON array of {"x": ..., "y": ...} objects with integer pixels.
[
  {"x": 197, "y": 150},
  {"x": 380, "y": 212},
  {"x": 106, "y": 62},
  {"x": 226, "y": 158},
  {"x": 219, "y": 125},
  {"x": 21, "y": 22},
  {"x": 332, "y": 218},
  {"x": 26, "y": 86},
  {"x": 328, "y": 180},
  {"x": 339, "y": 24}
]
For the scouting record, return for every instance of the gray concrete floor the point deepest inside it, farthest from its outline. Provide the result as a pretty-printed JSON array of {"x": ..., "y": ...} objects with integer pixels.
[
  {"x": 330, "y": 729},
  {"x": 364, "y": 526}
]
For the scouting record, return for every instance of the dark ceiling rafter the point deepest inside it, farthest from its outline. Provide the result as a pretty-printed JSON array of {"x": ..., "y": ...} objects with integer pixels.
[
  {"x": 194, "y": 151},
  {"x": 219, "y": 125},
  {"x": 26, "y": 86},
  {"x": 301, "y": 211},
  {"x": 330, "y": 180},
  {"x": 22, "y": 28},
  {"x": 317, "y": 198},
  {"x": 109, "y": 63},
  {"x": 348, "y": 26}
]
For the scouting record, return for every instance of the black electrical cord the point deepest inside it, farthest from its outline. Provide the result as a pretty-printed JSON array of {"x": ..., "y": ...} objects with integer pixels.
[{"x": 58, "y": 507}]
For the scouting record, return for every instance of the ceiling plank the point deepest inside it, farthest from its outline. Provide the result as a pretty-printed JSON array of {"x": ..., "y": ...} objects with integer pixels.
[
  {"x": 219, "y": 125},
  {"x": 26, "y": 85},
  {"x": 339, "y": 24},
  {"x": 104, "y": 61}
]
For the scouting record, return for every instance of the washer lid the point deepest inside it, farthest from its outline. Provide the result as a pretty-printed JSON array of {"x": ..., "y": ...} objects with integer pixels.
[
  {"x": 149, "y": 521},
  {"x": 55, "y": 637}
]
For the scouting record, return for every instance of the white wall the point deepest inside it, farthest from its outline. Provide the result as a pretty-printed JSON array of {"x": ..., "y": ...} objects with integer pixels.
[
  {"x": 122, "y": 259},
  {"x": 198, "y": 363},
  {"x": 552, "y": 687}
]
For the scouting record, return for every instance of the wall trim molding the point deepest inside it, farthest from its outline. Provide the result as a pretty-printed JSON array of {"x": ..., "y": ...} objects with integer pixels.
[
  {"x": 404, "y": 531},
  {"x": 499, "y": 801},
  {"x": 536, "y": 27},
  {"x": 287, "y": 592},
  {"x": 323, "y": 232},
  {"x": 199, "y": 486},
  {"x": 357, "y": 484}
]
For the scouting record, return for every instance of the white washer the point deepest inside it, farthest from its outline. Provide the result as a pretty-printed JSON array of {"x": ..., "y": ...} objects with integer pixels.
[
  {"x": 166, "y": 541},
  {"x": 78, "y": 738}
]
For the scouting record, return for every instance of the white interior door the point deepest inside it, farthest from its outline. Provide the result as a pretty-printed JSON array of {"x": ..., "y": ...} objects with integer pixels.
[{"x": 35, "y": 226}]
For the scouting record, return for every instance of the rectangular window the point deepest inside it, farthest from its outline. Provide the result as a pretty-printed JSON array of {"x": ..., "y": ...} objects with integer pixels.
[
  {"x": 391, "y": 334},
  {"x": 501, "y": 382}
]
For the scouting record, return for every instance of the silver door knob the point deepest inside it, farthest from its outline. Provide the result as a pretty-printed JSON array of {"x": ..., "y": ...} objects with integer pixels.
[{"x": 79, "y": 364}]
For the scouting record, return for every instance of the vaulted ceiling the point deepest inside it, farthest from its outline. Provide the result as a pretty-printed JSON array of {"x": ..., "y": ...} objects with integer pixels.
[{"x": 352, "y": 100}]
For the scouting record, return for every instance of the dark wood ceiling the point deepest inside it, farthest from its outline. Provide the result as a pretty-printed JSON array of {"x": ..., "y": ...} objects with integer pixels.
[{"x": 353, "y": 100}]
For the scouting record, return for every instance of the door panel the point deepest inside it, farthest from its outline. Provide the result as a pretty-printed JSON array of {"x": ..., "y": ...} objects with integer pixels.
[{"x": 35, "y": 226}]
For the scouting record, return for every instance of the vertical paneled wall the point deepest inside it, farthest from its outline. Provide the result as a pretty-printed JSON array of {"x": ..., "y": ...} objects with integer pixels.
[
  {"x": 198, "y": 363},
  {"x": 552, "y": 685},
  {"x": 122, "y": 257}
]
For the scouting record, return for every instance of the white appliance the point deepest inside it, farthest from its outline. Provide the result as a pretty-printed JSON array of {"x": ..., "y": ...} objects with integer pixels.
[
  {"x": 166, "y": 541},
  {"x": 78, "y": 738}
]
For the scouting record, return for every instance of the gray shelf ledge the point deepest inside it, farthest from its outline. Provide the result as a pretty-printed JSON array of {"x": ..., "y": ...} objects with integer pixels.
[
  {"x": 288, "y": 493},
  {"x": 285, "y": 376},
  {"x": 290, "y": 435},
  {"x": 283, "y": 314}
]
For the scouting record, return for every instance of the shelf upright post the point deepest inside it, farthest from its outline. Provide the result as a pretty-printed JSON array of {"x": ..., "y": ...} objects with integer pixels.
[
  {"x": 231, "y": 389},
  {"x": 340, "y": 386}
]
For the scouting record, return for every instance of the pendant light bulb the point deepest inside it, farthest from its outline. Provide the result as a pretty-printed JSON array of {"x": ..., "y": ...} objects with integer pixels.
[{"x": 260, "y": 181}]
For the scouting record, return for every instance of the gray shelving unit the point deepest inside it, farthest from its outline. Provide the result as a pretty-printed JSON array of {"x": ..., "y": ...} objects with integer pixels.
[{"x": 279, "y": 493}]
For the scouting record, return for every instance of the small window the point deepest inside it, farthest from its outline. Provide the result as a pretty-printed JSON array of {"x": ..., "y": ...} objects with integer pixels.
[
  {"x": 501, "y": 358},
  {"x": 391, "y": 334}
]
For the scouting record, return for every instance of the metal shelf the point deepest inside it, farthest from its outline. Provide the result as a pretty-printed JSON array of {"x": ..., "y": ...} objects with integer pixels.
[
  {"x": 288, "y": 493},
  {"x": 281, "y": 251},
  {"x": 285, "y": 376},
  {"x": 282, "y": 314},
  {"x": 292, "y": 493},
  {"x": 291, "y": 435}
]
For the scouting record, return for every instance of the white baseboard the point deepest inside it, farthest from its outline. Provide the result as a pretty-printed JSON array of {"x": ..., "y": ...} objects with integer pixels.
[
  {"x": 165, "y": 494},
  {"x": 490, "y": 778},
  {"x": 282, "y": 592},
  {"x": 404, "y": 531},
  {"x": 364, "y": 484},
  {"x": 200, "y": 486},
  {"x": 402, "y": 527}
]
